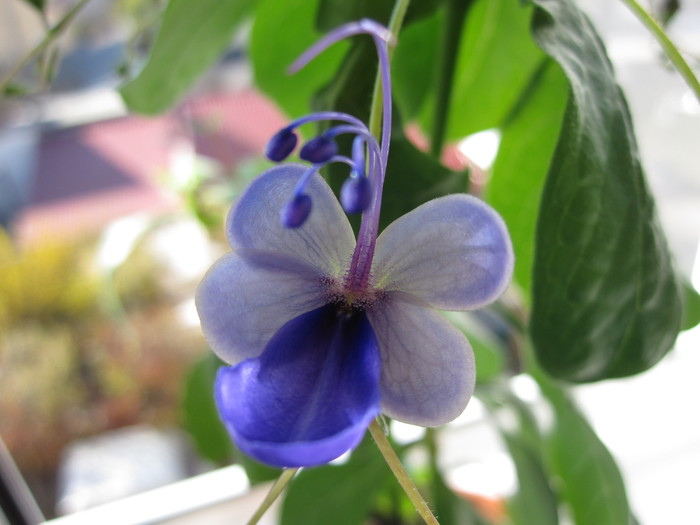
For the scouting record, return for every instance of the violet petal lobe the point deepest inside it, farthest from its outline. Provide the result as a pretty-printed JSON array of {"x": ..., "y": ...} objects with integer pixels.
[
  {"x": 453, "y": 252},
  {"x": 325, "y": 240},
  {"x": 428, "y": 371},
  {"x": 311, "y": 394},
  {"x": 241, "y": 303}
]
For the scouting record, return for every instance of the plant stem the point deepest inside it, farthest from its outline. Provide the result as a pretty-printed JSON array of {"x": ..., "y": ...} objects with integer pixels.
[
  {"x": 401, "y": 475},
  {"x": 456, "y": 12},
  {"x": 50, "y": 36},
  {"x": 395, "y": 23},
  {"x": 666, "y": 44},
  {"x": 276, "y": 489}
]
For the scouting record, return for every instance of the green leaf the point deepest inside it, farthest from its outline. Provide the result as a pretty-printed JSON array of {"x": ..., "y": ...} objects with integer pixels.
[
  {"x": 15, "y": 90},
  {"x": 691, "y": 307},
  {"x": 39, "y": 4},
  {"x": 666, "y": 10},
  {"x": 342, "y": 495},
  {"x": 192, "y": 35},
  {"x": 527, "y": 143},
  {"x": 414, "y": 66},
  {"x": 200, "y": 417},
  {"x": 333, "y": 13},
  {"x": 281, "y": 32},
  {"x": 497, "y": 59},
  {"x": 590, "y": 481},
  {"x": 606, "y": 302},
  {"x": 487, "y": 79},
  {"x": 535, "y": 502}
]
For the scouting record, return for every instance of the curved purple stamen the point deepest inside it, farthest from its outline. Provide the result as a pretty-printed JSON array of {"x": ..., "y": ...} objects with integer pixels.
[
  {"x": 358, "y": 154},
  {"x": 327, "y": 115},
  {"x": 382, "y": 37},
  {"x": 368, "y": 138},
  {"x": 364, "y": 26},
  {"x": 301, "y": 183},
  {"x": 358, "y": 275}
]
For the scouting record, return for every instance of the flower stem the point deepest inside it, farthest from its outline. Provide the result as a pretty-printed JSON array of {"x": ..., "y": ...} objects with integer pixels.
[
  {"x": 375, "y": 113},
  {"x": 666, "y": 44},
  {"x": 50, "y": 36},
  {"x": 379, "y": 123},
  {"x": 276, "y": 489},
  {"x": 401, "y": 475}
]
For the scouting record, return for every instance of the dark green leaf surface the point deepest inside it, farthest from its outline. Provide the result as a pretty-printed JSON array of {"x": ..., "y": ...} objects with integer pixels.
[
  {"x": 333, "y": 13},
  {"x": 200, "y": 416},
  {"x": 591, "y": 483},
  {"x": 280, "y": 34},
  {"x": 192, "y": 35},
  {"x": 341, "y": 495},
  {"x": 527, "y": 144},
  {"x": 39, "y": 4},
  {"x": 606, "y": 301}
]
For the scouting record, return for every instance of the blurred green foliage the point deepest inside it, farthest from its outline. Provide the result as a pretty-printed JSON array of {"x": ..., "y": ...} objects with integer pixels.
[{"x": 49, "y": 282}]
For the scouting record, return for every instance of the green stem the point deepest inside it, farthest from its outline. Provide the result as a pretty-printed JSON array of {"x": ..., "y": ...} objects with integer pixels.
[
  {"x": 456, "y": 12},
  {"x": 50, "y": 36},
  {"x": 276, "y": 489},
  {"x": 666, "y": 44},
  {"x": 401, "y": 475},
  {"x": 375, "y": 113}
]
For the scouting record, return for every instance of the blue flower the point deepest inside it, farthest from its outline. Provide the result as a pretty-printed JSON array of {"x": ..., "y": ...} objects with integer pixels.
[{"x": 325, "y": 332}]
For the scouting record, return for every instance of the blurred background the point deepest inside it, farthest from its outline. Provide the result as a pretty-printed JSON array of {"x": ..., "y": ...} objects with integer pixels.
[{"x": 109, "y": 220}]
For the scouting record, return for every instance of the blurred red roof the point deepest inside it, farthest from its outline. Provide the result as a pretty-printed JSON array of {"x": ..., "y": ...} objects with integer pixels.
[{"x": 92, "y": 174}]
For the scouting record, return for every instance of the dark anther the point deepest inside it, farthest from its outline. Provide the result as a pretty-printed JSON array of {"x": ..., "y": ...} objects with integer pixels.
[
  {"x": 281, "y": 145},
  {"x": 296, "y": 211},
  {"x": 318, "y": 150},
  {"x": 356, "y": 194}
]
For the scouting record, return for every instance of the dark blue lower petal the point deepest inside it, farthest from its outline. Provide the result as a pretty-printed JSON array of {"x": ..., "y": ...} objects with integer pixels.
[{"x": 311, "y": 394}]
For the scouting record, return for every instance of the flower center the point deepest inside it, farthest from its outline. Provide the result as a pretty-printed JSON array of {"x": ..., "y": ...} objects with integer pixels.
[{"x": 348, "y": 300}]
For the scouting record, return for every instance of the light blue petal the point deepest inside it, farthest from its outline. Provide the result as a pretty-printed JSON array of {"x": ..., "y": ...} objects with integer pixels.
[
  {"x": 311, "y": 394},
  {"x": 428, "y": 371},
  {"x": 242, "y": 303},
  {"x": 454, "y": 253},
  {"x": 325, "y": 240}
]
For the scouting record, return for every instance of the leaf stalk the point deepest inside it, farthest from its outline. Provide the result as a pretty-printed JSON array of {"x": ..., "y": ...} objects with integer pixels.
[
  {"x": 401, "y": 474},
  {"x": 277, "y": 488},
  {"x": 666, "y": 44},
  {"x": 53, "y": 33}
]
